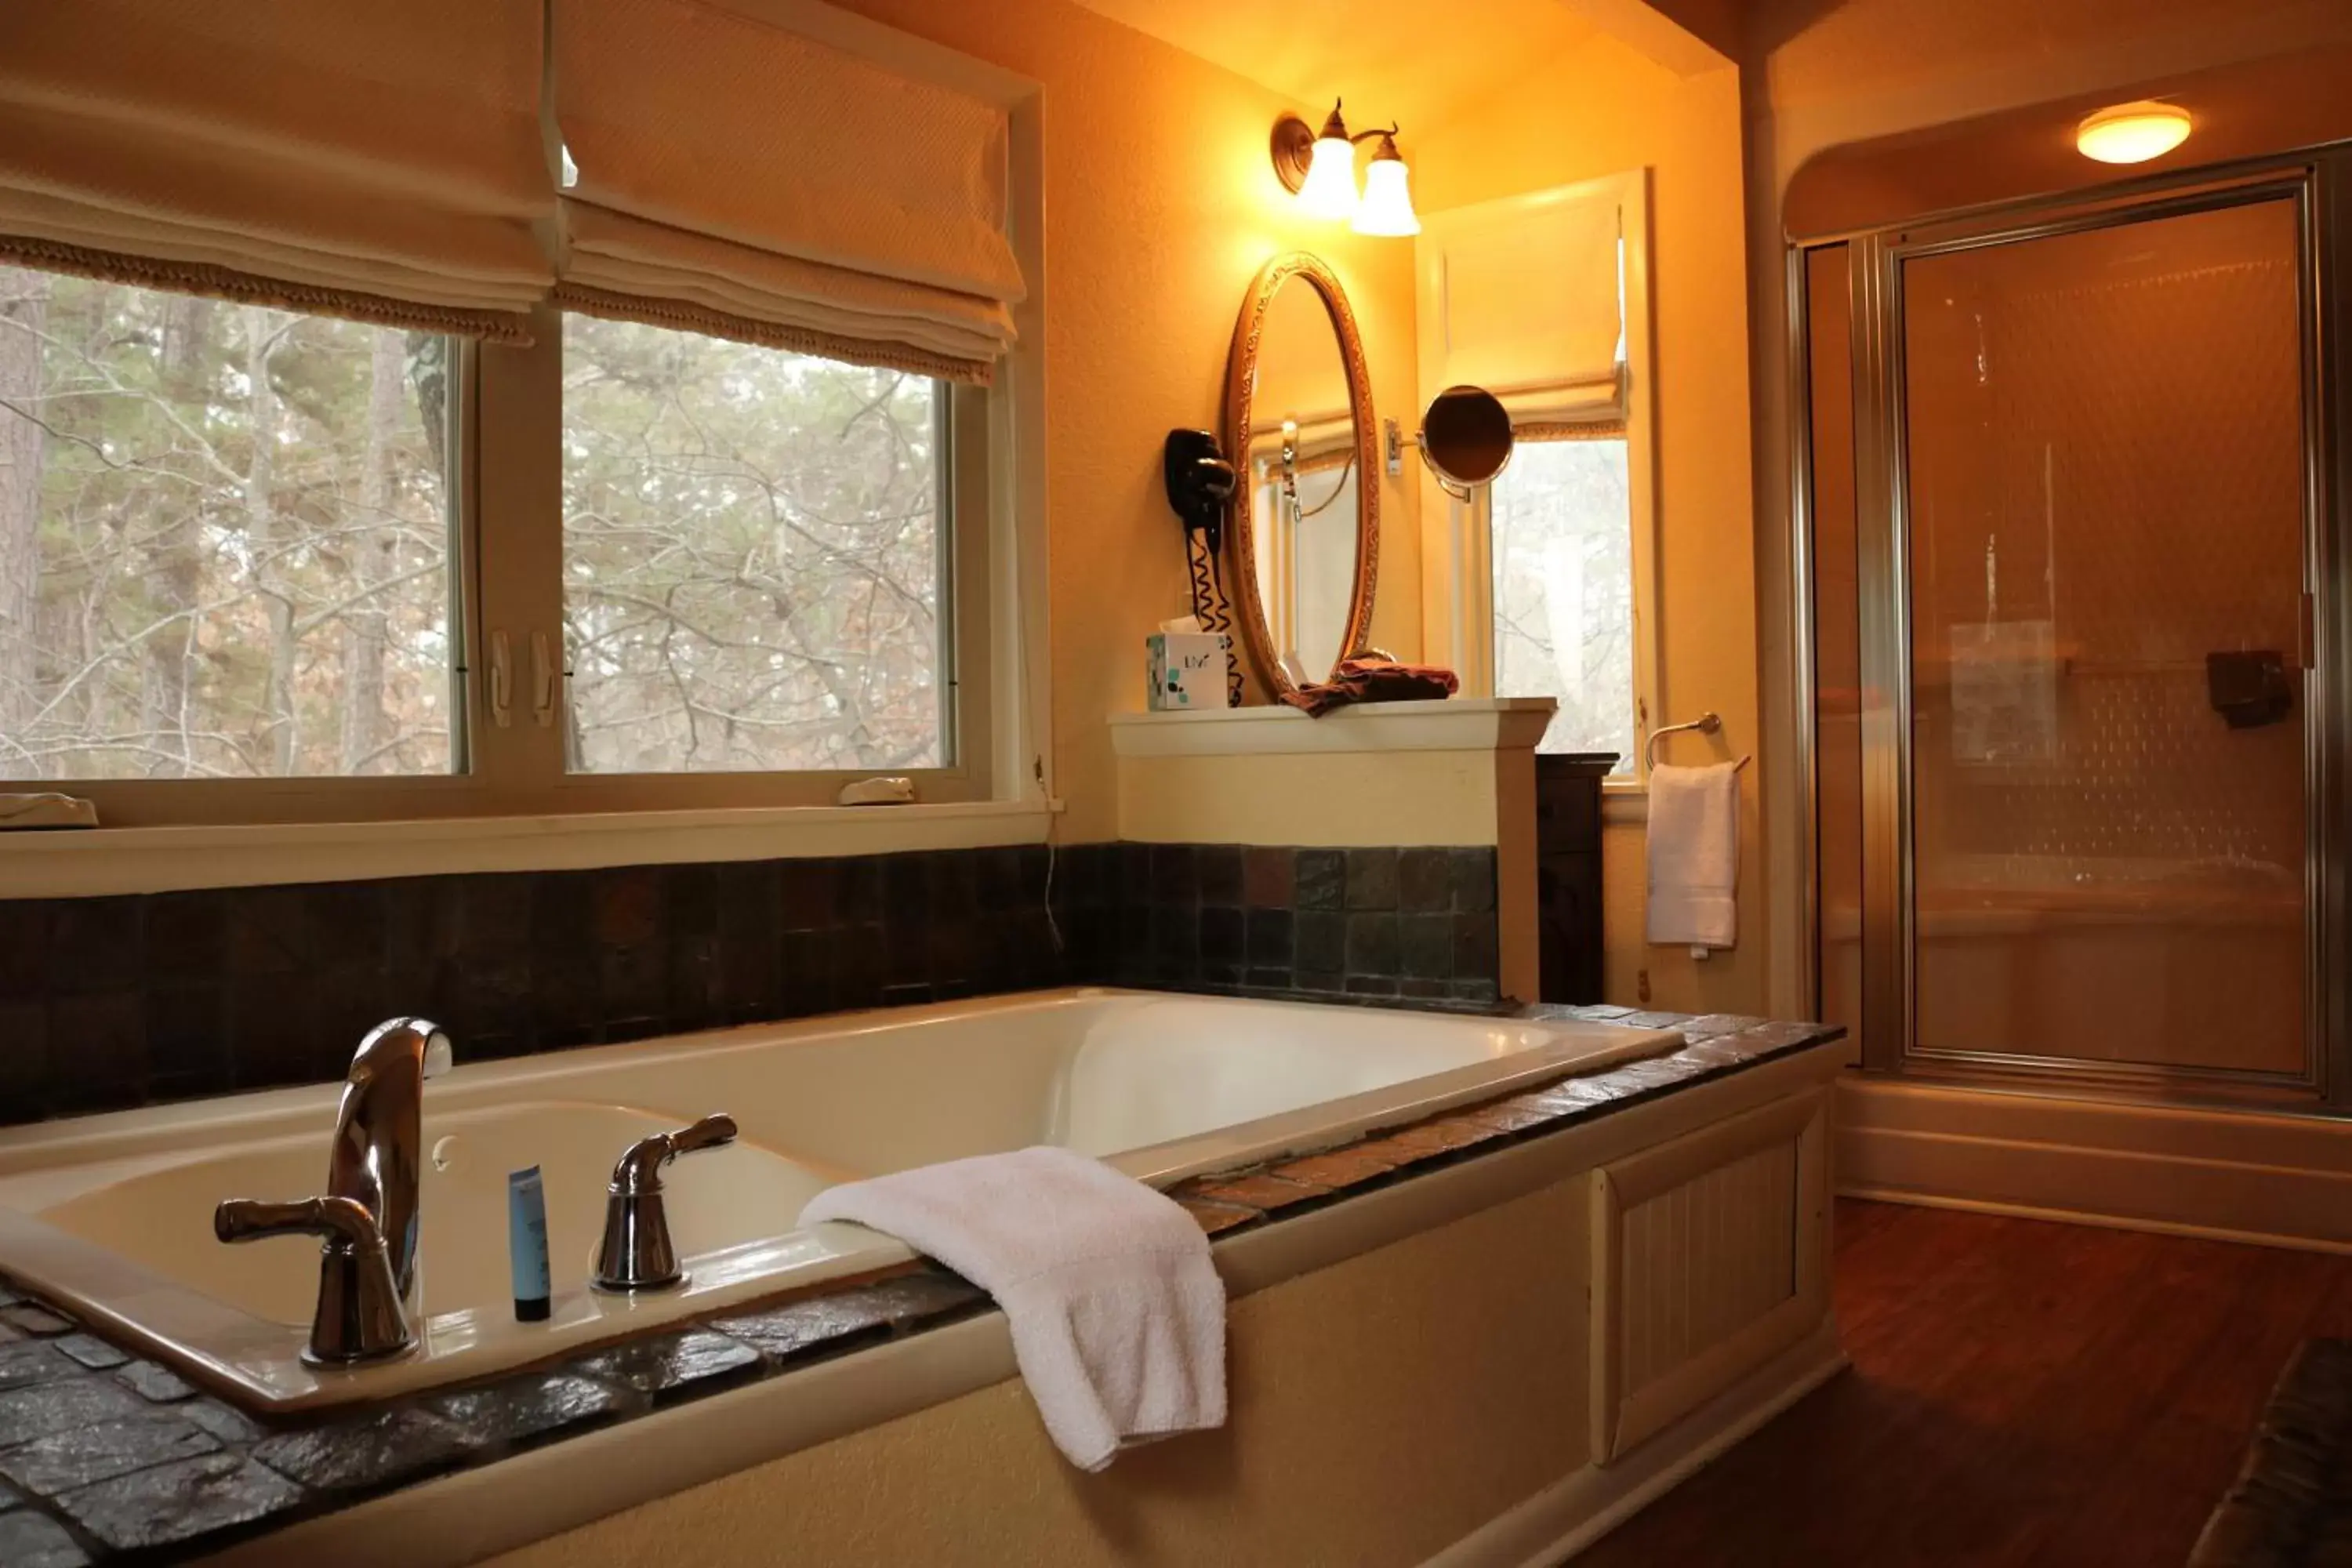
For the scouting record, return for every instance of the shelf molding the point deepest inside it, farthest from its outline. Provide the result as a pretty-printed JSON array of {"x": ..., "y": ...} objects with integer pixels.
[{"x": 1453, "y": 724}]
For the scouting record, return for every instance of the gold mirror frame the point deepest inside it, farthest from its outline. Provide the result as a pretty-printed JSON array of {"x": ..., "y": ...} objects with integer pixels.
[{"x": 1241, "y": 380}]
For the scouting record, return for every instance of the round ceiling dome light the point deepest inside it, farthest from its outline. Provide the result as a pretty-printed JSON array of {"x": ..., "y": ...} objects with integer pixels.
[{"x": 2132, "y": 133}]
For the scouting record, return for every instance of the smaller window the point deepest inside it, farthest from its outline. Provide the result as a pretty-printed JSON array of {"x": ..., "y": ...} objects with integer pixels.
[
  {"x": 756, "y": 563},
  {"x": 1562, "y": 548}
]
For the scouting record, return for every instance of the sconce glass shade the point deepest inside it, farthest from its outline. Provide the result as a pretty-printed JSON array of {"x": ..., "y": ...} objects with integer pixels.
[
  {"x": 1387, "y": 206},
  {"x": 1330, "y": 188},
  {"x": 2132, "y": 133}
]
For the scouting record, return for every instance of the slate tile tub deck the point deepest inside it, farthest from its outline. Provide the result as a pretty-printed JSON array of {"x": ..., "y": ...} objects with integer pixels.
[{"x": 108, "y": 1456}]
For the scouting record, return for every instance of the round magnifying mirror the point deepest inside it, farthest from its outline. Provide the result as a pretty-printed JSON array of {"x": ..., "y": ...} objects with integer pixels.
[{"x": 1466, "y": 437}]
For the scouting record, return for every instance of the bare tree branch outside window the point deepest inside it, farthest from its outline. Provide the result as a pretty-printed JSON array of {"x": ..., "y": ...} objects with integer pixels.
[
  {"x": 223, "y": 540},
  {"x": 752, "y": 544},
  {"x": 225, "y": 547},
  {"x": 1563, "y": 556}
]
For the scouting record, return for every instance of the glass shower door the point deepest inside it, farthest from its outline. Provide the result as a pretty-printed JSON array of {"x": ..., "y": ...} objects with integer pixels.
[{"x": 2104, "y": 493}]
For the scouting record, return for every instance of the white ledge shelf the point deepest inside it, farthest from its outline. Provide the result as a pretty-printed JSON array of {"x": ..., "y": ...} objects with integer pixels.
[
  {"x": 1452, "y": 724},
  {"x": 81, "y": 863}
]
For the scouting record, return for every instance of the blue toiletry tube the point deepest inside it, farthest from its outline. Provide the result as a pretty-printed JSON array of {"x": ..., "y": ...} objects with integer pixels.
[{"x": 527, "y": 1244}]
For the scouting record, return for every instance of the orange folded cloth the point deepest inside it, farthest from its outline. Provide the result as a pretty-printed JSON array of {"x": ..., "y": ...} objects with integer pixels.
[{"x": 1373, "y": 680}]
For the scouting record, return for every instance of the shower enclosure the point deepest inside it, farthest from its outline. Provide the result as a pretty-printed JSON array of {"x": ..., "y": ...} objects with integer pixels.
[{"x": 2072, "y": 582}]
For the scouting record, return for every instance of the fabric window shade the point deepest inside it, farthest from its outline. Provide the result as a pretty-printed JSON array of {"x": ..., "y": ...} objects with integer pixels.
[
  {"x": 1597, "y": 400},
  {"x": 1530, "y": 305},
  {"x": 381, "y": 163},
  {"x": 738, "y": 179}
]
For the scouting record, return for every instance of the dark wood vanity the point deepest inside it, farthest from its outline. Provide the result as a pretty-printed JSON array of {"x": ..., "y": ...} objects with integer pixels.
[{"x": 1568, "y": 873}]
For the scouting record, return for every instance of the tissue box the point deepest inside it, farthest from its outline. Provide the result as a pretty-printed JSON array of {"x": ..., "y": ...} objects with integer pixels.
[{"x": 1188, "y": 669}]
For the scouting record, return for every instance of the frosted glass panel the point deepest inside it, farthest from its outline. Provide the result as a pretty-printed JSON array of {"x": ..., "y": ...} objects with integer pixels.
[{"x": 2105, "y": 498}]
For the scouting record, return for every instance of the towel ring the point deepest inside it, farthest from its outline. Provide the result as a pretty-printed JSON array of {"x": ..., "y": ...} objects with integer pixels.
[{"x": 1704, "y": 724}]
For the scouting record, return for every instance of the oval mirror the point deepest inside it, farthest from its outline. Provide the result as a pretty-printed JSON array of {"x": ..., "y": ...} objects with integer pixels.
[
  {"x": 1466, "y": 437},
  {"x": 1298, "y": 424}
]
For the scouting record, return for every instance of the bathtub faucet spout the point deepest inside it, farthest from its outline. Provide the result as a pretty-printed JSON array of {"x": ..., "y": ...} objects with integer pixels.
[
  {"x": 367, "y": 1222},
  {"x": 380, "y": 1130}
]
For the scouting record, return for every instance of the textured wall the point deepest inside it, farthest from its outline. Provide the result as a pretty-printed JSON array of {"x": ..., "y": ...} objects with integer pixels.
[
  {"x": 116, "y": 1001},
  {"x": 111, "y": 1003}
]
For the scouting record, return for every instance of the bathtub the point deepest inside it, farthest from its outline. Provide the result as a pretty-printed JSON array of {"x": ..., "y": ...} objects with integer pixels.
[{"x": 112, "y": 1215}]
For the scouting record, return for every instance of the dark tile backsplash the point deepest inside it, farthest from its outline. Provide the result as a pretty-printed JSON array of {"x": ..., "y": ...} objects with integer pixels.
[
  {"x": 1413, "y": 922},
  {"x": 115, "y": 1002}
]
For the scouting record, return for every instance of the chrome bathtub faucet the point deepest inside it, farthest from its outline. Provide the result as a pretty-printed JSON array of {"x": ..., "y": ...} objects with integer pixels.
[
  {"x": 367, "y": 1223},
  {"x": 636, "y": 1253}
]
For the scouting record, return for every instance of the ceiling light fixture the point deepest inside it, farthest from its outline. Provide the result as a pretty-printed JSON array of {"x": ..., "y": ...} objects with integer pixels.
[
  {"x": 2132, "y": 133},
  {"x": 1320, "y": 166}
]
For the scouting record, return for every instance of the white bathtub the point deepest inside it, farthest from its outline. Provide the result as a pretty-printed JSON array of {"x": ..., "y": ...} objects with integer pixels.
[{"x": 112, "y": 1215}]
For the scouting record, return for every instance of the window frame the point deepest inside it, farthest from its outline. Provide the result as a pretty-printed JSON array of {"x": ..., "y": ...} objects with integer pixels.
[
  {"x": 327, "y": 797},
  {"x": 522, "y": 606},
  {"x": 1478, "y": 521},
  {"x": 1457, "y": 547},
  {"x": 505, "y": 477}
]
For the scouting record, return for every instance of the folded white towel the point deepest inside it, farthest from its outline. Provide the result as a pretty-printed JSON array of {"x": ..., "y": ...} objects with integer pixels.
[
  {"x": 1117, "y": 1315},
  {"x": 1694, "y": 835}
]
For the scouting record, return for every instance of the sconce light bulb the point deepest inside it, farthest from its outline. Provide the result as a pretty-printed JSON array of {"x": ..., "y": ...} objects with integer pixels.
[
  {"x": 1330, "y": 188},
  {"x": 2132, "y": 133},
  {"x": 1387, "y": 206}
]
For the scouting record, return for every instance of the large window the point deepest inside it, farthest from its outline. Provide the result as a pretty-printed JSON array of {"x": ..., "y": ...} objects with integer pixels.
[
  {"x": 239, "y": 544},
  {"x": 1562, "y": 548},
  {"x": 224, "y": 540}
]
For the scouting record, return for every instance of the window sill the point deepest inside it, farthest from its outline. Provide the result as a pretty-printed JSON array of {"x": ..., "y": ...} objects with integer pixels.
[{"x": 70, "y": 863}]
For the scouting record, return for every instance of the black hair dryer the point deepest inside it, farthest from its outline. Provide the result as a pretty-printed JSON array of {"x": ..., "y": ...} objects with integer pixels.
[{"x": 1200, "y": 485}]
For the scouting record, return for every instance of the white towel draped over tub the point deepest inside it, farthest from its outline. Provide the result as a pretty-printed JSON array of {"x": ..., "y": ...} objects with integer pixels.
[
  {"x": 1694, "y": 842},
  {"x": 1117, "y": 1315}
]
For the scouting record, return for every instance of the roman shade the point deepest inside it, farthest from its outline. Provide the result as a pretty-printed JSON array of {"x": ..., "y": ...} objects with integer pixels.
[
  {"x": 383, "y": 162},
  {"x": 737, "y": 178},
  {"x": 1527, "y": 303},
  {"x": 1592, "y": 405}
]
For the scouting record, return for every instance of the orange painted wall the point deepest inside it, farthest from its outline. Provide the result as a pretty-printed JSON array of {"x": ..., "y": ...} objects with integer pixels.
[
  {"x": 1161, "y": 205},
  {"x": 1599, "y": 109}
]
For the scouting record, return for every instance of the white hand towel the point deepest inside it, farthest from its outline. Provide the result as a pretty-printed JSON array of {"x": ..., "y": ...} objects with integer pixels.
[
  {"x": 1695, "y": 855},
  {"x": 1117, "y": 1315}
]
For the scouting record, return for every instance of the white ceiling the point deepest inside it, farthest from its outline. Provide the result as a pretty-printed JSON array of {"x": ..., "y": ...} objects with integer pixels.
[{"x": 1411, "y": 61}]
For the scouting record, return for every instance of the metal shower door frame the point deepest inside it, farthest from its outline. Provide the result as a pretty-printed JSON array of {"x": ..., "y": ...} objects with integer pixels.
[{"x": 2320, "y": 185}]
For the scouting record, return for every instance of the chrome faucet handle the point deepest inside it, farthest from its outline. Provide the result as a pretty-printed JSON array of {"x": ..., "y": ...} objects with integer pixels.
[
  {"x": 360, "y": 1314},
  {"x": 636, "y": 1253}
]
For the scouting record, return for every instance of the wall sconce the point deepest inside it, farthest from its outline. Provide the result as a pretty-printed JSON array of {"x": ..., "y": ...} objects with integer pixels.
[
  {"x": 2132, "y": 133},
  {"x": 1321, "y": 167}
]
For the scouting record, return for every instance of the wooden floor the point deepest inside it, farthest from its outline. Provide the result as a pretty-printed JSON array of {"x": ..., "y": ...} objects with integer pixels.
[{"x": 2021, "y": 1393}]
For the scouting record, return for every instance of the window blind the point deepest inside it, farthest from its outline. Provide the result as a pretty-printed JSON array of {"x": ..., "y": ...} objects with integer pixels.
[
  {"x": 738, "y": 179},
  {"x": 381, "y": 162}
]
